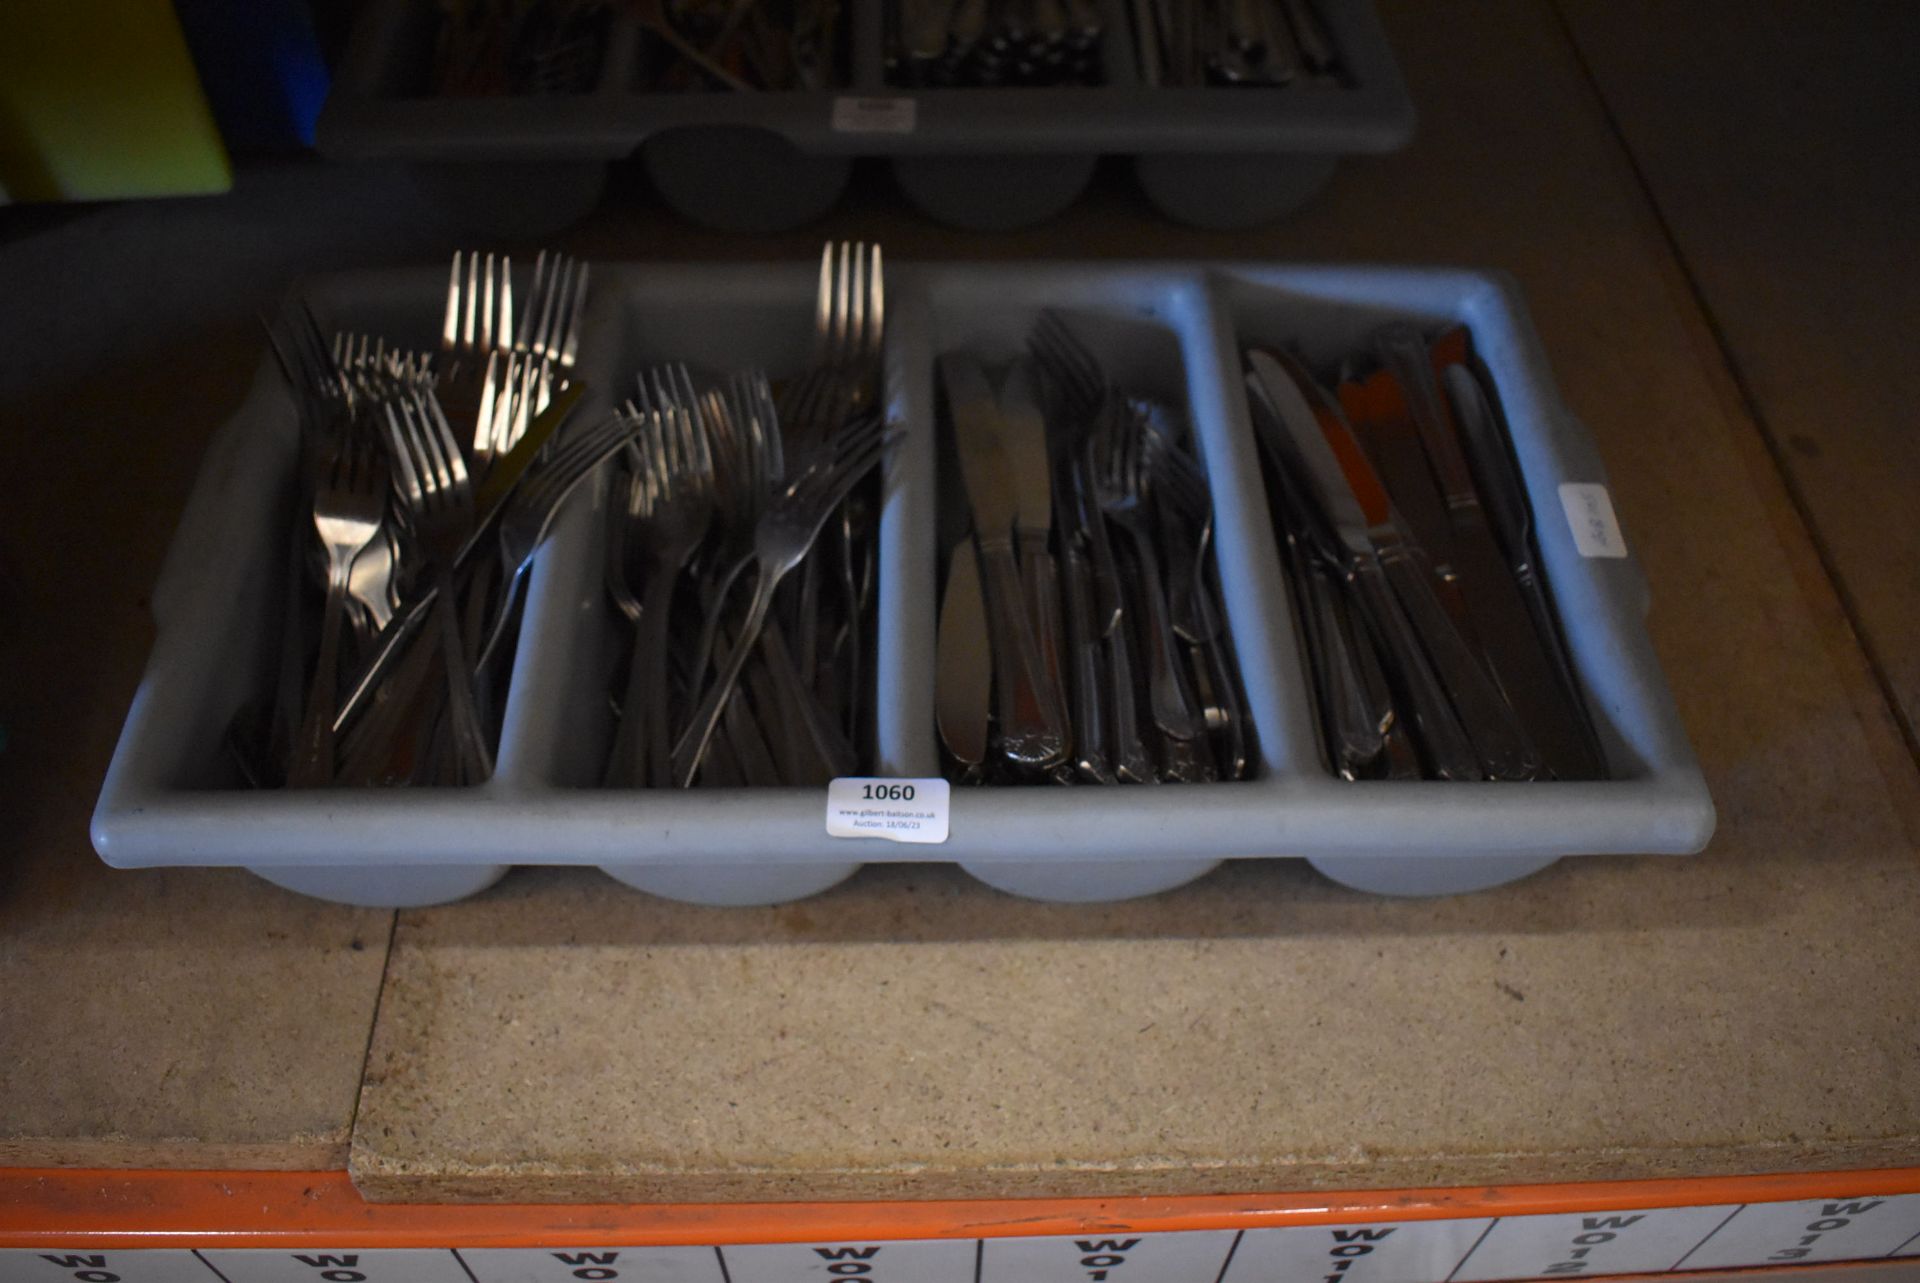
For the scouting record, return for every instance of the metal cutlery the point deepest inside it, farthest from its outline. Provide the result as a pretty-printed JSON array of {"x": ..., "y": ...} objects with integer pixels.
[
  {"x": 1430, "y": 637},
  {"x": 727, "y": 481},
  {"x": 1030, "y": 727},
  {"x": 1087, "y": 677},
  {"x": 403, "y": 506}
]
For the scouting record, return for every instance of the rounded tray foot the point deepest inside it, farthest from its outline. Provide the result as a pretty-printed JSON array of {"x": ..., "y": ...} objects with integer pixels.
[
  {"x": 512, "y": 200},
  {"x": 731, "y": 886},
  {"x": 992, "y": 193},
  {"x": 1225, "y": 193},
  {"x": 404, "y": 887},
  {"x": 740, "y": 179},
  {"x": 1090, "y": 883},
  {"x": 1428, "y": 875}
]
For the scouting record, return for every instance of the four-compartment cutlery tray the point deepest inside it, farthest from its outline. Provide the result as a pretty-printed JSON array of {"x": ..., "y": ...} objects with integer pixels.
[
  {"x": 1211, "y": 154},
  {"x": 1177, "y": 332}
]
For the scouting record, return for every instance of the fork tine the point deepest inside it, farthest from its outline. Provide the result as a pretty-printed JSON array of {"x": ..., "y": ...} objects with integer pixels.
[
  {"x": 557, "y": 278},
  {"x": 701, "y": 452},
  {"x": 842, "y": 302},
  {"x": 467, "y": 303},
  {"x": 876, "y": 307},
  {"x": 570, "y": 346},
  {"x": 443, "y": 434},
  {"x": 823, "y": 304},
  {"x": 450, "y": 327},
  {"x": 400, "y": 450},
  {"x": 486, "y": 308},
  {"x": 505, "y": 338},
  {"x": 522, "y": 342},
  {"x": 856, "y": 304},
  {"x": 494, "y": 394}
]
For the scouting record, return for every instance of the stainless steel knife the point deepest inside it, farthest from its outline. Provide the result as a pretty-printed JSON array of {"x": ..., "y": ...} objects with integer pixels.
[
  {"x": 1538, "y": 676},
  {"x": 1025, "y": 734},
  {"x": 1023, "y": 435}
]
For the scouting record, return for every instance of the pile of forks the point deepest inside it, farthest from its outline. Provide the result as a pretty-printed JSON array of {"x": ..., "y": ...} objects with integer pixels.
[
  {"x": 1408, "y": 541},
  {"x": 427, "y": 480},
  {"x": 727, "y": 484},
  {"x": 1081, "y": 634}
]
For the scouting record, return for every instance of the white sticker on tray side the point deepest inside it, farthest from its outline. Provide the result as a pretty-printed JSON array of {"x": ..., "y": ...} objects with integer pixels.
[
  {"x": 594, "y": 1265},
  {"x": 1585, "y": 1244},
  {"x": 897, "y": 810},
  {"x": 1590, "y": 515},
  {"x": 338, "y": 1265},
  {"x": 874, "y": 115},
  {"x": 143, "y": 1265},
  {"x": 1815, "y": 1229},
  {"x": 1187, "y": 1257},
  {"x": 1394, "y": 1252},
  {"x": 906, "y": 1261}
]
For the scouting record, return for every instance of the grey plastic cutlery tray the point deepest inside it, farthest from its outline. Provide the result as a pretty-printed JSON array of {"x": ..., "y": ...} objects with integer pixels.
[
  {"x": 1001, "y": 157},
  {"x": 170, "y": 799}
]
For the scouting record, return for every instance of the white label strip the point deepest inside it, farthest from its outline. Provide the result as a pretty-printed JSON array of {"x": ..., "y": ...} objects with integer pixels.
[
  {"x": 1590, "y": 515},
  {"x": 594, "y": 1265},
  {"x": 911, "y": 1261},
  {"x": 23, "y": 1265},
  {"x": 1107, "y": 1258},
  {"x": 1468, "y": 1250},
  {"x": 338, "y": 1265},
  {"x": 1591, "y": 1243},
  {"x": 1820, "y": 1229},
  {"x": 874, "y": 115},
  {"x": 897, "y": 810},
  {"x": 1395, "y": 1252}
]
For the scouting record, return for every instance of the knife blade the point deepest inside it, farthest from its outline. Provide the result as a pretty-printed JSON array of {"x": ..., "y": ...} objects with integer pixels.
[
  {"x": 963, "y": 673},
  {"x": 1024, "y": 731}
]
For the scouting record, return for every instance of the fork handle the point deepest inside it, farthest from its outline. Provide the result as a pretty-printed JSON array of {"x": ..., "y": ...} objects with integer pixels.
[
  {"x": 1166, "y": 690},
  {"x": 474, "y": 759},
  {"x": 313, "y": 764},
  {"x": 692, "y": 747},
  {"x": 656, "y": 720}
]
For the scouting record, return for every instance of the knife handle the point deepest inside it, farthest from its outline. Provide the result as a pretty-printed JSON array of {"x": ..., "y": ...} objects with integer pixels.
[
  {"x": 963, "y": 674},
  {"x": 1450, "y": 754},
  {"x": 1356, "y": 735},
  {"x": 1024, "y": 732},
  {"x": 1503, "y": 748},
  {"x": 1041, "y": 578},
  {"x": 1547, "y": 709}
]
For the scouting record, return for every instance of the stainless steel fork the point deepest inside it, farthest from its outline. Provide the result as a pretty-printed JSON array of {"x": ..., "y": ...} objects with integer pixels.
[
  {"x": 348, "y": 508},
  {"x": 781, "y": 540},
  {"x": 1123, "y": 489},
  {"x": 438, "y": 494},
  {"x": 677, "y": 502}
]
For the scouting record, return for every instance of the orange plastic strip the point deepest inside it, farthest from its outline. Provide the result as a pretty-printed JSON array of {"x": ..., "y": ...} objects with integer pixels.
[{"x": 116, "y": 1210}]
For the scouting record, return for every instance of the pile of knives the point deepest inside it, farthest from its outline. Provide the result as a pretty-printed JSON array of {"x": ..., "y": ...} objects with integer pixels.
[
  {"x": 944, "y": 44},
  {"x": 1408, "y": 538},
  {"x": 1081, "y": 633}
]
